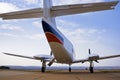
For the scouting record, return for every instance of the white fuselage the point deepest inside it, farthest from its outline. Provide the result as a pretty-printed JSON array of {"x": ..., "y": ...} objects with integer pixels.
[{"x": 61, "y": 47}]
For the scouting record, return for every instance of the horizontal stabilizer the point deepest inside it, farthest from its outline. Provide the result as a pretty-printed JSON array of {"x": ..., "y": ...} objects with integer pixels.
[
  {"x": 60, "y": 10},
  {"x": 82, "y": 8},
  {"x": 31, "y": 13}
]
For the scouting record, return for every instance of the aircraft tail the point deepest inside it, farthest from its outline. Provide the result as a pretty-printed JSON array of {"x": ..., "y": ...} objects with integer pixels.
[
  {"x": 53, "y": 11},
  {"x": 47, "y": 5}
]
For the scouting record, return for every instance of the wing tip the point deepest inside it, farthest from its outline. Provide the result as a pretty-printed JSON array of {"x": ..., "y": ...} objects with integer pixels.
[{"x": 117, "y": 1}]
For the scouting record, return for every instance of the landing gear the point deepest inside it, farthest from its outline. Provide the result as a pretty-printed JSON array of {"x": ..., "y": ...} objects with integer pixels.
[
  {"x": 69, "y": 68},
  {"x": 91, "y": 67},
  {"x": 43, "y": 69},
  {"x": 43, "y": 66}
]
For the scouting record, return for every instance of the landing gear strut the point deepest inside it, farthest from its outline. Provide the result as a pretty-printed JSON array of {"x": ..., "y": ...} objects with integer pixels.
[
  {"x": 91, "y": 67},
  {"x": 69, "y": 68},
  {"x": 43, "y": 66}
]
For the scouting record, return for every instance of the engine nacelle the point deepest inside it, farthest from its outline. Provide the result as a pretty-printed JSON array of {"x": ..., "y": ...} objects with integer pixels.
[
  {"x": 93, "y": 57},
  {"x": 43, "y": 57}
]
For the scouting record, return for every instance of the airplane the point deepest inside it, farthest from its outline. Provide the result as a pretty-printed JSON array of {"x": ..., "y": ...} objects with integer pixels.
[{"x": 62, "y": 50}]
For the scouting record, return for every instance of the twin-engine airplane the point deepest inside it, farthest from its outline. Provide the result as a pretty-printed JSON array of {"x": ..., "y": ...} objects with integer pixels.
[{"x": 62, "y": 50}]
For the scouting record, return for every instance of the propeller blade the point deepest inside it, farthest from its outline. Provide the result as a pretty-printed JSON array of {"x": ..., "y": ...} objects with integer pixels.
[
  {"x": 89, "y": 51},
  {"x": 97, "y": 61},
  {"x": 51, "y": 62},
  {"x": 51, "y": 53}
]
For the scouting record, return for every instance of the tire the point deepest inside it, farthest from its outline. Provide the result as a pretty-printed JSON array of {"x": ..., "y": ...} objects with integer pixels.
[
  {"x": 91, "y": 70},
  {"x": 43, "y": 69},
  {"x": 69, "y": 69}
]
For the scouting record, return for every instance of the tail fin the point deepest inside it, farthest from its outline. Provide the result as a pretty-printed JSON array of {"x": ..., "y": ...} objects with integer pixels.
[{"x": 47, "y": 5}]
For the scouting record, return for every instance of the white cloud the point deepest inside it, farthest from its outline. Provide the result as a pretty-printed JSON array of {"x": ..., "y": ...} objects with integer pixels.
[
  {"x": 80, "y": 35},
  {"x": 8, "y": 35},
  {"x": 35, "y": 36},
  {"x": 32, "y": 1},
  {"x": 7, "y": 7},
  {"x": 83, "y": 35},
  {"x": 64, "y": 23},
  {"x": 10, "y": 27},
  {"x": 37, "y": 24}
]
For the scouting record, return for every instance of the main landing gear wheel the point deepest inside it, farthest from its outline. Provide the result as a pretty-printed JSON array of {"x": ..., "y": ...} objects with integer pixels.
[
  {"x": 91, "y": 70},
  {"x": 91, "y": 67},
  {"x": 69, "y": 68},
  {"x": 43, "y": 66},
  {"x": 43, "y": 69}
]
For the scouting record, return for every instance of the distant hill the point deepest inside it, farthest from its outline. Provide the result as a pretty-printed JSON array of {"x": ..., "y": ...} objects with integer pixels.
[
  {"x": 60, "y": 68},
  {"x": 4, "y": 67}
]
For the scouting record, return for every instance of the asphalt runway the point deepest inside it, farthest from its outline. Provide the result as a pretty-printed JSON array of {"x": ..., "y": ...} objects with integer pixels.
[{"x": 58, "y": 75}]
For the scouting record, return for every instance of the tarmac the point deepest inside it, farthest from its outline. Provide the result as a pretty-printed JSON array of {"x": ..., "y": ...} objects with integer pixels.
[{"x": 59, "y": 75}]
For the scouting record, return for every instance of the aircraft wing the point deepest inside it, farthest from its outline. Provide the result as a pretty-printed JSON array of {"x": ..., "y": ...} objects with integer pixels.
[
  {"x": 82, "y": 8},
  {"x": 61, "y": 10},
  {"x": 107, "y": 57},
  {"x": 95, "y": 58},
  {"x": 31, "y": 13},
  {"x": 37, "y": 57}
]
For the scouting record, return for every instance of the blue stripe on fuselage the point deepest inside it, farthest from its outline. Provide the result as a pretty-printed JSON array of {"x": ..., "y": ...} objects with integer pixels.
[{"x": 48, "y": 28}]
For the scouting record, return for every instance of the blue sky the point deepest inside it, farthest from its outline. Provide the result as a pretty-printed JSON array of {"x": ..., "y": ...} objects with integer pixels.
[{"x": 98, "y": 31}]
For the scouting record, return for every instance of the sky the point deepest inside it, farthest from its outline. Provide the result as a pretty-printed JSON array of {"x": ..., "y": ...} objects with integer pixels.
[{"x": 99, "y": 31}]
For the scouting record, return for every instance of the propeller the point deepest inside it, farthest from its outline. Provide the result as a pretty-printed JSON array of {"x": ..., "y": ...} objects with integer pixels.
[
  {"x": 91, "y": 63},
  {"x": 96, "y": 61},
  {"x": 52, "y": 61}
]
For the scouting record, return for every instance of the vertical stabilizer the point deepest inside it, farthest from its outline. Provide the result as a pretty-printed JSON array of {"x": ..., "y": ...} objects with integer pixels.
[{"x": 47, "y": 5}]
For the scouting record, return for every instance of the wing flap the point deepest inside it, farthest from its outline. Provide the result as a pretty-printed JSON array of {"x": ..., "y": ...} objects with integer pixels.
[
  {"x": 81, "y": 8},
  {"x": 31, "y": 13}
]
